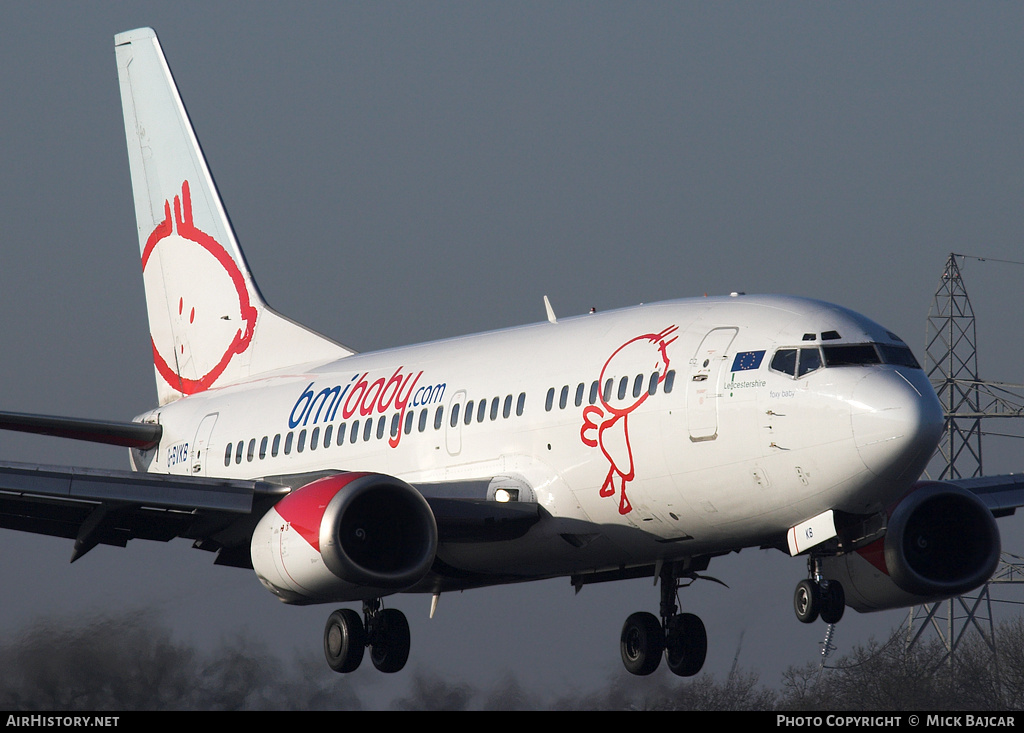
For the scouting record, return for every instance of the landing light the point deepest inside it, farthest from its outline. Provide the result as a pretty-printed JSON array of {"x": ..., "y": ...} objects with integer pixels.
[{"x": 506, "y": 495}]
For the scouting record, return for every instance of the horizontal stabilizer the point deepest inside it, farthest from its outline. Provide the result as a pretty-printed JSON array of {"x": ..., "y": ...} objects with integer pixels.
[{"x": 125, "y": 434}]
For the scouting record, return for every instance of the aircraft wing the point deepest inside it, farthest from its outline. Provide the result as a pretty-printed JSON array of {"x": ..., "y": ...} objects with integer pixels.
[
  {"x": 94, "y": 506},
  {"x": 1002, "y": 494}
]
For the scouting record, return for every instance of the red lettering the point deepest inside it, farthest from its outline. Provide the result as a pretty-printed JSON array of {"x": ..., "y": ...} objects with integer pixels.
[
  {"x": 400, "y": 405},
  {"x": 366, "y": 406},
  {"x": 360, "y": 389},
  {"x": 396, "y": 380}
]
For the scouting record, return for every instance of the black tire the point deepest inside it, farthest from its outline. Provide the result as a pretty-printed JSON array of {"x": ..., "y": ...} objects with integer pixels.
[
  {"x": 833, "y": 601},
  {"x": 389, "y": 647},
  {"x": 686, "y": 644},
  {"x": 807, "y": 601},
  {"x": 344, "y": 640},
  {"x": 642, "y": 643}
]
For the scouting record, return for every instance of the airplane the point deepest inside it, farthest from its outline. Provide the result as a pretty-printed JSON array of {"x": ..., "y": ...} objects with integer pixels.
[{"x": 639, "y": 442}]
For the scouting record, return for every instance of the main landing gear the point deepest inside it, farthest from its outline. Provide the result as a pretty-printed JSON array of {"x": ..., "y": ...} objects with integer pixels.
[
  {"x": 679, "y": 636},
  {"x": 384, "y": 630},
  {"x": 818, "y": 596}
]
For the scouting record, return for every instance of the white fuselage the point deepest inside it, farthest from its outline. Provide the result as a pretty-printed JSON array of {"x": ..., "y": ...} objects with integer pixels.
[{"x": 684, "y": 407}]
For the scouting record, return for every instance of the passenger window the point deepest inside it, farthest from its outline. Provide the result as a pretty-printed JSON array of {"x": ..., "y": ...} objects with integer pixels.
[
  {"x": 670, "y": 380},
  {"x": 652, "y": 387},
  {"x": 353, "y": 434},
  {"x": 263, "y": 448},
  {"x": 506, "y": 408},
  {"x": 638, "y": 385},
  {"x": 623, "y": 383},
  {"x": 607, "y": 390},
  {"x": 469, "y": 413},
  {"x": 382, "y": 423},
  {"x": 423, "y": 420},
  {"x": 785, "y": 361},
  {"x": 238, "y": 451},
  {"x": 563, "y": 398},
  {"x": 275, "y": 447},
  {"x": 302, "y": 441},
  {"x": 367, "y": 429},
  {"x": 408, "y": 421},
  {"x": 288, "y": 444},
  {"x": 251, "y": 453},
  {"x": 227, "y": 454},
  {"x": 520, "y": 404},
  {"x": 580, "y": 388},
  {"x": 594, "y": 387},
  {"x": 314, "y": 439},
  {"x": 396, "y": 424},
  {"x": 439, "y": 418},
  {"x": 327, "y": 436},
  {"x": 494, "y": 408},
  {"x": 455, "y": 415},
  {"x": 549, "y": 401},
  {"x": 341, "y": 433},
  {"x": 482, "y": 409}
]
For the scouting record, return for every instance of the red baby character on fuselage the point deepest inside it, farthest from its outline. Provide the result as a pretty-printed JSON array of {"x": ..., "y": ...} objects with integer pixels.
[{"x": 639, "y": 355}]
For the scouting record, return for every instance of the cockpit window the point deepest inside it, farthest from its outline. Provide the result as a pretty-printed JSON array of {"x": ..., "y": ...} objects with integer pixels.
[
  {"x": 898, "y": 355},
  {"x": 810, "y": 359},
  {"x": 798, "y": 362},
  {"x": 785, "y": 361},
  {"x": 851, "y": 355},
  {"x": 856, "y": 354}
]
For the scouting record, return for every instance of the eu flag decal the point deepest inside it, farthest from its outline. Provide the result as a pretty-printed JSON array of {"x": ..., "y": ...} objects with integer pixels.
[{"x": 746, "y": 360}]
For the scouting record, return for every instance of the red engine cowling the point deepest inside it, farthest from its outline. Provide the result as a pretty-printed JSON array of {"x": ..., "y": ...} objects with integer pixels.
[
  {"x": 353, "y": 536},
  {"x": 941, "y": 541}
]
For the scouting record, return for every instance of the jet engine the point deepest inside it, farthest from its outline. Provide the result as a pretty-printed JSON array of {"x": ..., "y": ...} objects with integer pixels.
[
  {"x": 347, "y": 537},
  {"x": 941, "y": 541}
]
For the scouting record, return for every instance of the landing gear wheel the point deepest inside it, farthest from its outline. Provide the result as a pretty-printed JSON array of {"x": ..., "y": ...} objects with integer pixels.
[
  {"x": 344, "y": 640},
  {"x": 389, "y": 643},
  {"x": 807, "y": 601},
  {"x": 642, "y": 643},
  {"x": 833, "y": 601},
  {"x": 686, "y": 644}
]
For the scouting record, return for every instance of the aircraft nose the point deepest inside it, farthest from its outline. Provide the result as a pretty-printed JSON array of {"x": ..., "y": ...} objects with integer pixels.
[{"x": 897, "y": 422}]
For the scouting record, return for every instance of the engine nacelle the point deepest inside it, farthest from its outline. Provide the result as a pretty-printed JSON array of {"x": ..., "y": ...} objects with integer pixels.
[
  {"x": 349, "y": 537},
  {"x": 941, "y": 541}
]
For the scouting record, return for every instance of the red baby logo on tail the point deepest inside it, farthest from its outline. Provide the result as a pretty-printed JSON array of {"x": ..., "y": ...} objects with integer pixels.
[
  {"x": 607, "y": 425},
  {"x": 191, "y": 277}
]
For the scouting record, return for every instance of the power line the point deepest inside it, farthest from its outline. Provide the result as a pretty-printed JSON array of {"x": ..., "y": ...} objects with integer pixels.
[{"x": 986, "y": 259}]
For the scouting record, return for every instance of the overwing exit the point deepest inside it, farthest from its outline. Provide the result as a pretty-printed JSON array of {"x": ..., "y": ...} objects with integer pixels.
[{"x": 641, "y": 442}]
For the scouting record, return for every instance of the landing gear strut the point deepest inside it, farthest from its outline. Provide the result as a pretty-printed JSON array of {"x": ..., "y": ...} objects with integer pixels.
[
  {"x": 384, "y": 630},
  {"x": 817, "y": 595},
  {"x": 679, "y": 636}
]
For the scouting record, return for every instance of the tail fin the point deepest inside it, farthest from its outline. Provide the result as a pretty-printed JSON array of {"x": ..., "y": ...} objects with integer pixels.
[{"x": 207, "y": 320}]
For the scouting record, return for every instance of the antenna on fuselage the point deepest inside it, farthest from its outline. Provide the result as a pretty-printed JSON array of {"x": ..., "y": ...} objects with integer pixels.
[{"x": 550, "y": 310}]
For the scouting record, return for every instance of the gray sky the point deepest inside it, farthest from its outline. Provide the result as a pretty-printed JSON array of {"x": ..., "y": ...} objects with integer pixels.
[{"x": 400, "y": 172}]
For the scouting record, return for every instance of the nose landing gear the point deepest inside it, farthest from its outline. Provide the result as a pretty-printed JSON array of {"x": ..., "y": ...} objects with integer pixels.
[
  {"x": 817, "y": 595},
  {"x": 681, "y": 637}
]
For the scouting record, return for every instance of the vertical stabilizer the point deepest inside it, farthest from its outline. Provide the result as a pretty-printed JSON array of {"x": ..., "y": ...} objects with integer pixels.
[{"x": 208, "y": 323}]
